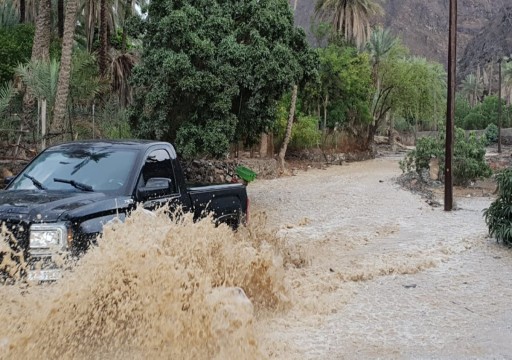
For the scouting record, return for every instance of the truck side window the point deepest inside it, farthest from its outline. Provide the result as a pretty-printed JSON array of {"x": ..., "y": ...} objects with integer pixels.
[{"x": 158, "y": 165}]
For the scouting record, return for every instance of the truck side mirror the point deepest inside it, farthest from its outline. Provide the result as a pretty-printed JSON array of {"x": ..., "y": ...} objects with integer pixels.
[{"x": 154, "y": 188}]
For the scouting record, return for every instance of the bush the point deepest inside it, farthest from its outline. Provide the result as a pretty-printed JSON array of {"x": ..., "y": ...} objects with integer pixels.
[
  {"x": 468, "y": 157},
  {"x": 305, "y": 133},
  {"x": 491, "y": 133},
  {"x": 498, "y": 216}
]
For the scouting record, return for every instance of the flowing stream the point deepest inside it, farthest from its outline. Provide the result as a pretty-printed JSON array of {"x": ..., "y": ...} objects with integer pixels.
[{"x": 335, "y": 264}]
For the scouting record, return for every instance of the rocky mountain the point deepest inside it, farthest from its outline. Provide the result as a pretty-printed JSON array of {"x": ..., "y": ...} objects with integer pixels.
[
  {"x": 423, "y": 25},
  {"x": 493, "y": 42}
]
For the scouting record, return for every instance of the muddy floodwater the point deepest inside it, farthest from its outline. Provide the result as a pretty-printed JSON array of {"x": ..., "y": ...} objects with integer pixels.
[
  {"x": 336, "y": 264},
  {"x": 388, "y": 275}
]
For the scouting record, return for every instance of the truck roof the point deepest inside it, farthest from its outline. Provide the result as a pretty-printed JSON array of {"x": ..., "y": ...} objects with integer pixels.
[{"x": 134, "y": 144}]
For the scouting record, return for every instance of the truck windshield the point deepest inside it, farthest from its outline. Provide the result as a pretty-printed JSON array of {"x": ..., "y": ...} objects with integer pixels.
[{"x": 94, "y": 169}]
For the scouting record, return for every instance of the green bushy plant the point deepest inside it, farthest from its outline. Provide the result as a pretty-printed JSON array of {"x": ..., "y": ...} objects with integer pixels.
[
  {"x": 491, "y": 133},
  {"x": 468, "y": 157},
  {"x": 498, "y": 216},
  {"x": 305, "y": 133}
]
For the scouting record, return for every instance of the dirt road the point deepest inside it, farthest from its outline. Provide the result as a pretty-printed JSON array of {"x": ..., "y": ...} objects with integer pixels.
[{"x": 388, "y": 276}]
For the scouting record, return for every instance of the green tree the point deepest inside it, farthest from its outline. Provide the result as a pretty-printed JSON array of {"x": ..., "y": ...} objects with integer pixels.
[
  {"x": 343, "y": 88},
  {"x": 412, "y": 88},
  {"x": 350, "y": 18},
  {"x": 15, "y": 48},
  {"x": 213, "y": 71}
]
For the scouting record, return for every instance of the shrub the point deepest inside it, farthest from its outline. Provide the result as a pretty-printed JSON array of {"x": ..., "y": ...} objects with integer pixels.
[
  {"x": 468, "y": 157},
  {"x": 305, "y": 133},
  {"x": 491, "y": 133},
  {"x": 498, "y": 216}
]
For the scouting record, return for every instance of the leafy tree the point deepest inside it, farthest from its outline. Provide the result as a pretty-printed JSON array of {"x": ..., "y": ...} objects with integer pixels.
[
  {"x": 15, "y": 48},
  {"x": 343, "y": 88},
  {"x": 350, "y": 18},
  {"x": 412, "y": 88},
  {"x": 213, "y": 71}
]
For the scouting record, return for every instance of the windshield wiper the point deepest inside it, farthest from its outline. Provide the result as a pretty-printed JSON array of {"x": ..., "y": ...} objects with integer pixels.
[
  {"x": 36, "y": 182},
  {"x": 76, "y": 184}
]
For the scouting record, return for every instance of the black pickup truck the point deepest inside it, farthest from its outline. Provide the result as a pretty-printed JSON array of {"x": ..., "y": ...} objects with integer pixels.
[{"x": 63, "y": 197}]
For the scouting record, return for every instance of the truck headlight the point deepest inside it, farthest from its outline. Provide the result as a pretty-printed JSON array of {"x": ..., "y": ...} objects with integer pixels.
[{"x": 46, "y": 236}]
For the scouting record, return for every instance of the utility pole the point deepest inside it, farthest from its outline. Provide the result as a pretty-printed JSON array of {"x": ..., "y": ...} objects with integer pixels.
[
  {"x": 499, "y": 105},
  {"x": 450, "y": 112}
]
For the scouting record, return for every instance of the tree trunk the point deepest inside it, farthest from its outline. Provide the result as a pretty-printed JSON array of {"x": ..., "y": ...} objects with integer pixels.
[
  {"x": 490, "y": 79},
  {"x": 127, "y": 13},
  {"x": 288, "y": 133},
  {"x": 60, "y": 18},
  {"x": 391, "y": 139},
  {"x": 22, "y": 11},
  {"x": 40, "y": 51},
  {"x": 42, "y": 36},
  {"x": 264, "y": 146},
  {"x": 324, "y": 123},
  {"x": 65, "y": 67},
  {"x": 102, "y": 56}
]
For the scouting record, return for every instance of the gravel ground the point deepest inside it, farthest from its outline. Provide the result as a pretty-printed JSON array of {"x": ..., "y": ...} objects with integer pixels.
[{"x": 387, "y": 276}]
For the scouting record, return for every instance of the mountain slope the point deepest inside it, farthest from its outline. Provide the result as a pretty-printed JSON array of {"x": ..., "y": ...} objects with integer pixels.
[{"x": 423, "y": 25}]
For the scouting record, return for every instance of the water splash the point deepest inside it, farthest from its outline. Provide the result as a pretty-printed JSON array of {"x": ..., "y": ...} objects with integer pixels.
[{"x": 152, "y": 288}]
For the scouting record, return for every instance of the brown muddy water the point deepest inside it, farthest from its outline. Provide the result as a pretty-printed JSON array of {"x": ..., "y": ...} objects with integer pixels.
[{"x": 343, "y": 265}]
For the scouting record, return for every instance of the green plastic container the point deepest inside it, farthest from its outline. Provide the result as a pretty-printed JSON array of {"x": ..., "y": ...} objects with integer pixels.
[{"x": 245, "y": 174}]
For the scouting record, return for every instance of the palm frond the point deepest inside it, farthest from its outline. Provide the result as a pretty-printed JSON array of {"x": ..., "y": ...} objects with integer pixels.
[
  {"x": 120, "y": 71},
  {"x": 7, "y": 92}
]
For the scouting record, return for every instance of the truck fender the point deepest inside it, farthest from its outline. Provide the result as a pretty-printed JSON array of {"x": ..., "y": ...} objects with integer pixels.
[{"x": 95, "y": 226}]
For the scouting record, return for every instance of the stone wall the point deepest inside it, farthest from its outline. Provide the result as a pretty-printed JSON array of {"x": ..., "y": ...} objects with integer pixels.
[{"x": 223, "y": 171}]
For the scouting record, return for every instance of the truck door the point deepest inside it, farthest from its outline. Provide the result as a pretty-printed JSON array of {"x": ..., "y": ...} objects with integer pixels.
[{"x": 156, "y": 185}]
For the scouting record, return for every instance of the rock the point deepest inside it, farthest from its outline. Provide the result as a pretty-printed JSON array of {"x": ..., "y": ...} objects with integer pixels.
[{"x": 4, "y": 172}]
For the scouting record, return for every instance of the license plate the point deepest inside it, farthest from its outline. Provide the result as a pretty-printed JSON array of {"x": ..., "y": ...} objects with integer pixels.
[{"x": 44, "y": 275}]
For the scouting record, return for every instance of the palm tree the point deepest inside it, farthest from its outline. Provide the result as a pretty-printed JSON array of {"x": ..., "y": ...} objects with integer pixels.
[
  {"x": 350, "y": 18},
  {"x": 42, "y": 36},
  {"x": 65, "y": 67},
  {"x": 472, "y": 89},
  {"x": 40, "y": 79},
  {"x": 380, "y": 45},
  {"x": 40, "y": 52},
  {"x": 507, "y": 80}
]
